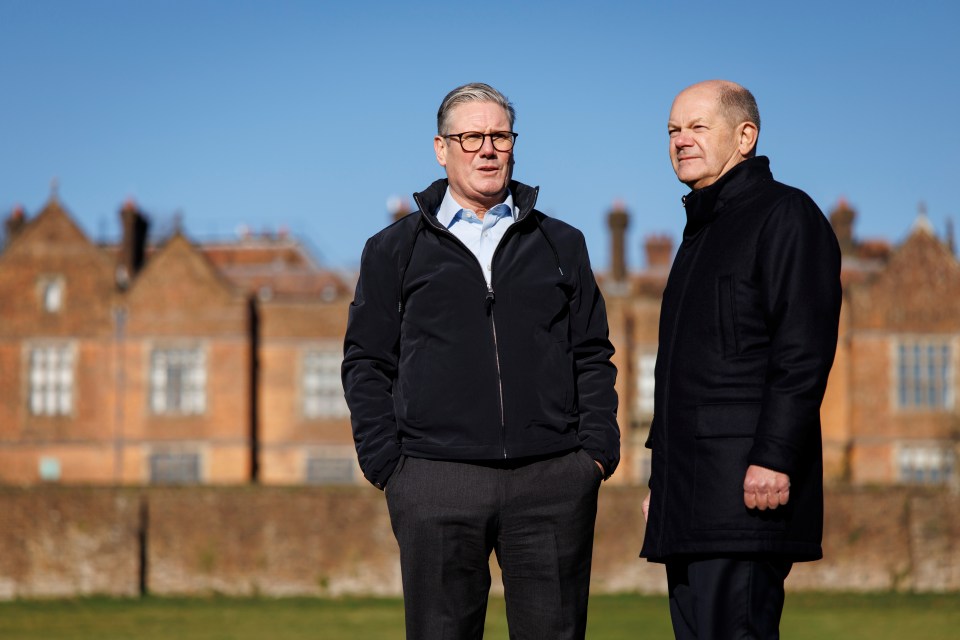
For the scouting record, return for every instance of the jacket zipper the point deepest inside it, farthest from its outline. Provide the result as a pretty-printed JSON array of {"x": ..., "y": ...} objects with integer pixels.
[
  {"x": 490, "y": 298},
  {"x": 496, "y": 354}
]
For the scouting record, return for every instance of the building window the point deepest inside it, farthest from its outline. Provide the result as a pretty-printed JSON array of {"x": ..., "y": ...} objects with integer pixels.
[
  {"x": 924, "y": 375},
  {"x": 322, "y": 389},
  {"x": 646, "y": 364},
  {"x": 51, "y": 294},
  {"x": 925, "y": 464},
  {"x": 330, "y": 470},
  {"x": 178, "y": 381},
  {"x": 175, "y": 468},
  {"x": 51, "y": 380}
]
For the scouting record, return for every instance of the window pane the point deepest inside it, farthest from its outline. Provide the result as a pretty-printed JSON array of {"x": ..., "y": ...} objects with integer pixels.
[
  {"x": 320, "y": 383},
  {"x": 925, "y": 464},
  {"x": 51, "y": 380},
  {"x": 175, "y": 468},
  {"x": 924, "y": 371},
  {"x": 646, "y": 366},
  {"x": 330, "y": 470},
  {"x": 178, "y": 381}
]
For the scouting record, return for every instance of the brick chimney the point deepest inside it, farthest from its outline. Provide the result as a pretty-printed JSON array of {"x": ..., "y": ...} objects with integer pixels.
[
  {"x": 398, "y": 208},
  {"x": 133, "y": 242},
  {"x": 15, "y": 223},
  {"x": 659, "y": 250},
  {"x": 951, "y": 245},
  {"x": 841, "y": 219},
  {"x": 618, "y": 220}
]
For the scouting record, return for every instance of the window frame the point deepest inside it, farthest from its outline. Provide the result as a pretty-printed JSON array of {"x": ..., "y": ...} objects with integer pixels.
[
  {"x": 197, "y": 459},
  {"x": 925, "y": 463},
  {"x": 342, "y": 455},
  {"x": 329, "y": 398},
  {"x": 643, "y": 404},
  {"x": 45, "y": 284},
  {"x": 190, "y": 400},
  {"x": 923, "y": 374},
  {"x": 61, "y": 409}
]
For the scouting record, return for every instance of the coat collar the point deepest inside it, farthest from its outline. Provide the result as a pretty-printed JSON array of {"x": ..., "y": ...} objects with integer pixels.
[
  {"x": 704, "y": 205},
  {"x": 428, "y": 200}
]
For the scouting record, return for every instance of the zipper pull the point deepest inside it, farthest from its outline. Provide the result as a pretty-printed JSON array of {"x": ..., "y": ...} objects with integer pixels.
[{"x": 490, "y": 297}]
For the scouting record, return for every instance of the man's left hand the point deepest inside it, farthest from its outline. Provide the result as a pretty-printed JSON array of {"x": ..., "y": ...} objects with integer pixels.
[{"x": 765, "y": 488}]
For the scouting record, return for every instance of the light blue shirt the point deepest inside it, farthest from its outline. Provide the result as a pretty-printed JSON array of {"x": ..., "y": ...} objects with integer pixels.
[{"x": 480, "y": 236}]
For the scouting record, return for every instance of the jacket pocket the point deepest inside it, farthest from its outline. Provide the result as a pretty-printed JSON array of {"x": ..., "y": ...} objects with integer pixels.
[
  {"x": 555, "y": 388},
  {"x": 724, "y": 437},
  {"x": 729, "y": 345}
]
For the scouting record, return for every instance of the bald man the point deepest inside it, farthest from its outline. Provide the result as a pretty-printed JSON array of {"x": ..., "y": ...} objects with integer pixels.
[{"x": 748, "y": 332}]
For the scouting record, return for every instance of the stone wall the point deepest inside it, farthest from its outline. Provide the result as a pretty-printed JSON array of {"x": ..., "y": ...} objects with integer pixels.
[
  {"x": 67, "y": 542},
  {"x": 59, "y": 541}
]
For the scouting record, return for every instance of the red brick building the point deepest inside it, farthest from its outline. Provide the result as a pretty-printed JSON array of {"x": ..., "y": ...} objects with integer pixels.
[
  {"x": 178, "y": 363},
  {"x": 216, "y": 363}
]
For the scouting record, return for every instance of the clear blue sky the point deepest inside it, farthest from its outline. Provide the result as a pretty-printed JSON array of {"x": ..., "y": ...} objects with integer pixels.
[{"x": 310, "y": 115}]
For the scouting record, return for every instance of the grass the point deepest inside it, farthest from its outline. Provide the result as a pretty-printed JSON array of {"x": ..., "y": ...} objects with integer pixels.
[{"x": 808, "y": 616}]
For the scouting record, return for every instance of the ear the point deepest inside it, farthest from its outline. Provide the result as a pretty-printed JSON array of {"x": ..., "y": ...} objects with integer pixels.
[
  {"x": 440, "y": 148},
  {"x": 747, "y": 140}
]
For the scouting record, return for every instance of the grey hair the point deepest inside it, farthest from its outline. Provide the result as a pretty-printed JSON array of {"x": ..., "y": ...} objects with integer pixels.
[
  {"x": 473, "y": 92},
  {"x": 738, "y": 104}
]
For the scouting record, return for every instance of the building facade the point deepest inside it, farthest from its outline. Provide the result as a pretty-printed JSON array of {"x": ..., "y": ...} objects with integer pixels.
[
  {"x": 219, "y": 363},
  {"x": 180, "y": 363}
]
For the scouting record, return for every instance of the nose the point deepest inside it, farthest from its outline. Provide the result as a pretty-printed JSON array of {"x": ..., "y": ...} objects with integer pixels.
[
  {"x": 681, "y": 140},
  {"x": 487, "y": 149}
]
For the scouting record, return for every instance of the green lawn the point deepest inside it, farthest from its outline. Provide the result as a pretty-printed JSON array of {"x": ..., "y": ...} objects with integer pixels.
[{"x": 807, "y": 617}]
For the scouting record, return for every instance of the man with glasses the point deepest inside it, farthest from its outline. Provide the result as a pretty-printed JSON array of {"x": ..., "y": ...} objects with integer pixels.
[{"x": 477, "y": 370}]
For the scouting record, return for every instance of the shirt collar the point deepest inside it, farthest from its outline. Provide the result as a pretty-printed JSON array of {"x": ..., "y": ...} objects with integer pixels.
[{"x": 449, "y": 209}]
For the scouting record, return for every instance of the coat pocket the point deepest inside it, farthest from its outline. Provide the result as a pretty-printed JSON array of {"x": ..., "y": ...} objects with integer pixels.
[
  {"x": 729, "y": 345},
  {"x": 724, "y": 437}
]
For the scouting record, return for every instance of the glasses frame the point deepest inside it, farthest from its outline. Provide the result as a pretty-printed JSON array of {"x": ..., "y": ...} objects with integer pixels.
[{"x": 459, "y": 138}]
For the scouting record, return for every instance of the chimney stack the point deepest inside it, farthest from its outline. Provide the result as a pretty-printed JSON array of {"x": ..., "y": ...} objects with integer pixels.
[
  {"x": 841, "y": 219},
  {"x": 15, "y": 223},
  {"x": 133, "y": 244},
  {"x": 618, "y": 220},
  {"x": 397, "y": 207},
  {"x": 659, "y": 250}
]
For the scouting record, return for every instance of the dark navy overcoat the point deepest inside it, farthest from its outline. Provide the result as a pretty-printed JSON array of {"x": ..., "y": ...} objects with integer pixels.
[{"x": 748, "y": 332}]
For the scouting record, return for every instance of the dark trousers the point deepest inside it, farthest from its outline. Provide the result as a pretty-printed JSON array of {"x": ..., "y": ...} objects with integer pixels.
[
  {"x": 537, "y": 517},
  {"x": 735, "y": 598}
]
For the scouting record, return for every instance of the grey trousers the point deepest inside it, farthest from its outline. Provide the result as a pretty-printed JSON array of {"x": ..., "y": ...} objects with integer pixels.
[
  {"x": 538, "y": 518},
  {"x": 731, "y": 598}
]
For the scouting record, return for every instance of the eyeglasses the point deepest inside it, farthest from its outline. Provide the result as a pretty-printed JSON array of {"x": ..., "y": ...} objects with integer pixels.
[{"x": 471, "y": 141}]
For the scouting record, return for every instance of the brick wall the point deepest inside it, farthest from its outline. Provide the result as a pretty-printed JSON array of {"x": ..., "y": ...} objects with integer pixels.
[{"x": 58, "y": 541}]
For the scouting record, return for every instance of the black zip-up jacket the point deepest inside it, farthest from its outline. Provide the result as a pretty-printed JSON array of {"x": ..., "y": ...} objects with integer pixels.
[
  {"x": 438, "y": 366},
  {"x": 748, "y": 332}
]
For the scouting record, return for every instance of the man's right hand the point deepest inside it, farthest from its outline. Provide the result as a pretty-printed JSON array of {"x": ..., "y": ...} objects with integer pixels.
[{"x": 646, "y": 508}]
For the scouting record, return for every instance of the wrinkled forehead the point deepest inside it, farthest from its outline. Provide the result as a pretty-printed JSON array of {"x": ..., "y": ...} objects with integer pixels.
[{"x": 477, "y": 116}]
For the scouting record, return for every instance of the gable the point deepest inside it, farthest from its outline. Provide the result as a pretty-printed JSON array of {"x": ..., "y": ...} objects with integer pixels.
[
  {"x": 180, "y": 292},
  {"x": 53, "y": 252},
  {"x": 918, "y": 291},
  {"x": 52, "y": 233}
]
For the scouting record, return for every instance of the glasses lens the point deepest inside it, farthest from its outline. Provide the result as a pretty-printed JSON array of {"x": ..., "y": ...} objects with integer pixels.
[
  {"x": 502, "y": 141},
  {"x": 471, "y": 141}
]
